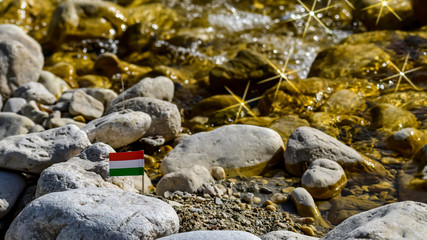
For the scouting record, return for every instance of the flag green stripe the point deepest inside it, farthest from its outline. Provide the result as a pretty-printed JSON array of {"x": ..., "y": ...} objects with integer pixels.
[{"x": 127, "y": 172}]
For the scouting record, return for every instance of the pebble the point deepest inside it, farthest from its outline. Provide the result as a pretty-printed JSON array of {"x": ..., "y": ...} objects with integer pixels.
[
  {"x": 279, "y": 198},
  {"x": 14, "y": 104},
  {"x": 324, "y": 179},
  {"x": 53, "y": 84},
  {"x": 247, "y": 197},
  {"x": 83, "y": 104},
  {"x": 407, "y": 141},
  {"x": 35, "y": 91},
  {"x": 118, "y": 129},
  {"x": 32, "y": 111},
  {"x": 13, "y": 124},
  {"x": 286, "y": 235},
  {"x": 12, "y": 186},
  {"x": 218, "y": 173},
  {"x": 305, "y": 205}
]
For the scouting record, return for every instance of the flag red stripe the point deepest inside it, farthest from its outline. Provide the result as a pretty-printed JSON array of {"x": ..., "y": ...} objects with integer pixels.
[{"x": 126, "y": 156}]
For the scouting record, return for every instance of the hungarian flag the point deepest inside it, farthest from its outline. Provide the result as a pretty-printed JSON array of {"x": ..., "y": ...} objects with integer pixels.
[{"x": 127, "y": 163}]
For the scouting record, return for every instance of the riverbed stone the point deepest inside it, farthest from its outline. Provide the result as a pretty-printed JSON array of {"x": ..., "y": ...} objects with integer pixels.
[
  {"x": 307, "y": 144},
  {"x": 34, "y": 152},
  {"x": 186, "y": 180},
  {"x": 324, "y": 179},
  {"x": 89, "y": 169},
  {"x": 407, "y": 141},
  {"x": 35, "y": 91},
  {"x": 94, "y": 212},
  {"x": 345, "y": 207},
  {"x": 33, "y": 112},
  {"x": 305, "y": 205},
  {"x": 60, "y": 122},
  {"x": 14, "y": 105},
  {"x": 402, "y": 220},
  {"x": 85, "y": 105},
  {"x": 286, "y": 235},
  {"x": 238, "y": 149},
  {"x": 344, "y": 102},
  {"x": 118, "y": 129},
  {"x": 105, "y": 96},
  {"x": 286, "y": 125},
  {"x": 212, "y": 235},
  {"x": 165, "y": 116},
  {"x": 54, "y": 84},
  {"x": 14, "y": 124},
  {"x": 392, "y": 118},
  {"x": 22, "y": 59},
  {"x": 159, "y": 87},
  {"x": 12, "y": 185}
]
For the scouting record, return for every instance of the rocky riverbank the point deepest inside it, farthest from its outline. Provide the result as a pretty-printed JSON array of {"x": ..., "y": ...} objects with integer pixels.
[{"x": 259, "y": 119}]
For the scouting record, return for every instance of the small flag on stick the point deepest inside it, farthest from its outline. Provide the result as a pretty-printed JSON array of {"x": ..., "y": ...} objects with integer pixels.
[{"x": 127, "y": 163}]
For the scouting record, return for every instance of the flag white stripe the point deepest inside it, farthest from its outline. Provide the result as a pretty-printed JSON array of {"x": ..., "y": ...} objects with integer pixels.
[{"x": 127, "y": 164}]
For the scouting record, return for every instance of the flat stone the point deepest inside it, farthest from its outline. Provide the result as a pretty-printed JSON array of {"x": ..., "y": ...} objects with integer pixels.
[
  {"x": 402, "y": 220},
  {"x": 87, "y": 170},
  {"x": 165, "y": 116},
  {"x": 324, "y": 179},
  {"x": 186, "y": 180},
  {"x": 286, "y": 235},
  {"x": 14, "y": 105},
  {"x": 34, "y": 152},
  {"x": 12, "y": 185},
  {"x": 305, "y": 205},
  {"x": 13, "y": 124},
  {"x": 212, "y": 235},
  {"x": 308, "y": 144},
  {"x": 238, "y": 149},
  {"x": 35, "y": 91},
  {"x": 22, "y": 59},
  {"x": 159, "y": 87},
  {"x": 118, "y": 129},
  {"x": 91, "y": 213},
  {"x": 85, "y": 105}
]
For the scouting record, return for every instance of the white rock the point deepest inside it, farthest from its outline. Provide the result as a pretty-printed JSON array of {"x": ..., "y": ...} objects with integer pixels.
[
  {"x": 85, "y": 105},
  {"x": 286, "y": 235},
  {"x": 165, "y": 116},
  {"x": 105, "y": 96},
  {"x": 22, "y": 59},
  {"x": 14, "y": 105},
  {"x": 36, "y": 151},
  {"x": 54, "y": 84},
  {"x": 212, "y": 235},
  {"x": 324, "y": 179},
  {"x": 401, "y": 220},
  {"x": 235, "y": 148},
  {"x": 186, "y": 180},
  {"x": 118, "y": 129},
  {"x": 13, "y": 124},
  {"x": 159, "y": 87},
  {"x": 60, "y": 122},
  {"x": 12, "y": 185},
  {"x": 35, "y": 91},
  {"x": 94, "y": 213}
]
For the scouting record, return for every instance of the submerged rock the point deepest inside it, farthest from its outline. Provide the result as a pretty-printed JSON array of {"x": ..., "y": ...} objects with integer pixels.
[
  {"x": 345, "y": 207},
  {"x": 403, "y": 220},
  {"x": 407, "y": 141},
  {"x": 344, "y": 102},
  {"x": 305, "y": 205},
  {"x": 238, "y": 149},
  {"x": 389, "y": 117},
  {"x": 36, "y": 151},
  {"x": 22, "y": 59},
  {"x": 92, "y": 213}
]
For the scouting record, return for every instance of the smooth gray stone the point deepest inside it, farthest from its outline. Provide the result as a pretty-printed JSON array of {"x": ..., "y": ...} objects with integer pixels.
[
  {"x": 286, "y": 235},
  {"x": 85, "y": 105},
  {"x": 34, "y": 152},
  {"x": 165, "y": 116},
  {"x": 401, "y": 220},
  {"x": 53, "y": 84},
  {"x": 35, "y": 91},
  {"x": 159, "y": 87},
  {"x": 13, "y": 124},
  {"x": 105, "y": 96},
  {"x": 118, "y": 129},
  {"x": 32, "y": 111},
  {"x": 14, "y": 105},
  {"x": 94, "y": 213},
  {"x": 212, "y": 235},
  {"x": 12, "y": 185},
  {"x": 22, "y": 59},
  {"x": 235, "y": 148}
]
